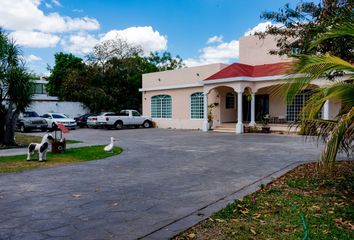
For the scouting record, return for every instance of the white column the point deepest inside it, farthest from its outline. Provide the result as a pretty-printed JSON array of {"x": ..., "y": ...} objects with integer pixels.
[
  {"x": 253, "y": 110},
  {"x": 205, "y": 111},
  {"x": 239, "y": 125},
  {"x": 325, "y": 110}
]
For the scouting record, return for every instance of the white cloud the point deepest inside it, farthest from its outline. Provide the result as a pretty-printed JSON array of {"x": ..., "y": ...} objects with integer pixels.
[
  {"x": 224, "y": 52},
  {"x": 35, "y": 39},
  {"x": 147, "y": 38},
  {"x": 25, "y": 15},
  {"x": 261, "y": 27},
  {"x": 56, "y": 3},
  {"x": 77, "y": 10},
  {"x": 215, "y": 39},
  {"x": 32, "y": 58},
  {"x": 81, "y": 43},
  {"x": 48, "y": 5}
]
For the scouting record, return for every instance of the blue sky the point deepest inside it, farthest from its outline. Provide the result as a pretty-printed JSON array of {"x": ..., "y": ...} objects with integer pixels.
[{"x": 200, "y": 31}]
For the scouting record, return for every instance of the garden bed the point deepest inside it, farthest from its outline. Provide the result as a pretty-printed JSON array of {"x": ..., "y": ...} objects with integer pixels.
[{"x": 302, "y": 204}]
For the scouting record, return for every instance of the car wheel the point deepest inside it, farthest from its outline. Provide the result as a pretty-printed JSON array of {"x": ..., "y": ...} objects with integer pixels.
[
  {"x": 119, "y": 125},
  {"x": 147, "y": 124},
  {"x": 23, "y": 128}
]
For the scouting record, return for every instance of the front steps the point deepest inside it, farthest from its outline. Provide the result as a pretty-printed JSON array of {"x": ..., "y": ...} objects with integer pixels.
[{"x": 278, "y": 128}]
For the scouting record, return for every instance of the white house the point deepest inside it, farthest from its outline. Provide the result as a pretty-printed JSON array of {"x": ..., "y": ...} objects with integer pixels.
[{"x": 42, "y": 103}]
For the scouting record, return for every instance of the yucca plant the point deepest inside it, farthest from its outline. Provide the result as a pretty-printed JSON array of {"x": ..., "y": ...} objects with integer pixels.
[{"x": 338, "y": 134}]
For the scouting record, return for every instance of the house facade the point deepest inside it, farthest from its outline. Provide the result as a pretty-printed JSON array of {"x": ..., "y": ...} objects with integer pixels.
[
  {"x": 43, "y": 103},
  {"x": 232, "y": 95}
]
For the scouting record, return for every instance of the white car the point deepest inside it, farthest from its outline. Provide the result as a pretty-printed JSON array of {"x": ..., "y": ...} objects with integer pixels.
[
  {"x": 128, "y": 118},
  {"x": 54, "y": 118},
  {"x": 98, "y": 120}
]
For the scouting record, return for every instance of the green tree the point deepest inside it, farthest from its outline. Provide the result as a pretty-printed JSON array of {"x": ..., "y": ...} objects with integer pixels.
[
  {"x": 297, "y": 26},
  {"x": 165, "y": 61},
  {"x": 64, "y": 64},
  {"x": 15, "y": 88},
  {"x": 111, "y": 79},
  {"x": 339, "y": 133}
]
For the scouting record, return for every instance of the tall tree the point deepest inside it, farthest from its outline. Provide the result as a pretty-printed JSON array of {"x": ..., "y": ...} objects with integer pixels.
[
  {"x": 338, "y": 134},
  {"x": 64, "y": 64},
  {"x": 165, "y": 61},
  {"x": 297, "y": 26},
  {"x": 15, "y": 88},
  {"x": 111, "y": 78}
]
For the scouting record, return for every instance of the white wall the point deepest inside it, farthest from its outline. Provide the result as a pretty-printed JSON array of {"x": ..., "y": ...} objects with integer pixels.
[{"x": 72, "y": 109}]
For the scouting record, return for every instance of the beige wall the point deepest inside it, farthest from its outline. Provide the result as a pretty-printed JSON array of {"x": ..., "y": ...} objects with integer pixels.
[
  {"x": 191, "y": 75},
  {"x": 277, "y": 103},
  {"x": 224, "y": 115},
  {"x": 255, "y": 51},
  {"x": 180, "y": 108},
  {"x": 334, "y": 108}
]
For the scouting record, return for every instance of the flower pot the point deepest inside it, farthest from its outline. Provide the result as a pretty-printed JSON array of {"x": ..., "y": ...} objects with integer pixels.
[
  {"x": 210, "y": 124},
  {"x": 265, "y": 129},
  {"x": 246, "y": 129}
]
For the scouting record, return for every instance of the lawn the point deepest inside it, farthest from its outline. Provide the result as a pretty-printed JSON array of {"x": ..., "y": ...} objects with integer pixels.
[
  {"x": 23, "y": 140},
  {"x": 18, "y": 163},
  {"x": 303, "y": 204}
]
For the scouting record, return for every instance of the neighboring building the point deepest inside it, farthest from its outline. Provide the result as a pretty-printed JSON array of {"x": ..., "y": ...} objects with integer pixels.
[
  {"x": 42, "y": 103},
  {"x": 246, "y": 90}
]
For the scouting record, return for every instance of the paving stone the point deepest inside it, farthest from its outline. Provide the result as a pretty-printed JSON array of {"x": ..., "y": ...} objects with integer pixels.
[{"x": 154, "y": 189}]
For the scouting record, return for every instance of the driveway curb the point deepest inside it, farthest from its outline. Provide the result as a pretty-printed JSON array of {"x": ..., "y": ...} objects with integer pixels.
[{"x": 179, "y": 225}]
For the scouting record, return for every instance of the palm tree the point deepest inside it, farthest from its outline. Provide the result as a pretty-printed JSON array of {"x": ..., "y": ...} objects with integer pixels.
[
  {"x": 337, "y": 134},
  {"x": 15, "y": 88}
]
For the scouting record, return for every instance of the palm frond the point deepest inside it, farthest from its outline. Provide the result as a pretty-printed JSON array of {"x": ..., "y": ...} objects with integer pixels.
[
  {"x": 341, "y": 138},
  {"x": 342, "y": 92},
  {"x": 312, "y": 67},
  {"x": 340, "y": 31}
]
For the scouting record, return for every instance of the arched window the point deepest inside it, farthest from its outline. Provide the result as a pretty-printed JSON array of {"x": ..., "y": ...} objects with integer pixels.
[
  {"x": 197, "y": 105},
  {"x": 230, "y": 100},
  {"x": 161, "y": 106}
]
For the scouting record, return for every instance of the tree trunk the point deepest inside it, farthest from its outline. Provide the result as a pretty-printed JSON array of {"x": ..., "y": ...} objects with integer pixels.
[{"x": 10, "y": 127}]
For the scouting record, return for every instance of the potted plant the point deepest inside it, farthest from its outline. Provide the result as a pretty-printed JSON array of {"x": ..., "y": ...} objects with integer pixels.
[
  {"x": 265, "y": 121},
  {"x": 210, "y": 114}
]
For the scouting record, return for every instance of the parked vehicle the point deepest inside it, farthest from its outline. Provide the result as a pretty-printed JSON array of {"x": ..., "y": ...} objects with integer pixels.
[
  {"x": 54, "y": 118},
  {"x": 30, "y": 120},
  {"x": 82, "y": 120},
  {"x": 128, "y": 118},
  {"x": 98, "y": 120}
]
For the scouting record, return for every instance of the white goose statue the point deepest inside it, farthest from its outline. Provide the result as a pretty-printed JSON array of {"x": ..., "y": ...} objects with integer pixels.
[{"x": 110, "y": 146}]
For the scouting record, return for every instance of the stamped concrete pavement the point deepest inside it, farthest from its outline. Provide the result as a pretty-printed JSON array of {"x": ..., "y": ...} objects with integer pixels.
[{"x": 163, "y": 182}]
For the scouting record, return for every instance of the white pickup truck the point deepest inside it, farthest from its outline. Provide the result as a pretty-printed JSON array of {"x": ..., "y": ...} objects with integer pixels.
[{"x": 127, "y": 118}]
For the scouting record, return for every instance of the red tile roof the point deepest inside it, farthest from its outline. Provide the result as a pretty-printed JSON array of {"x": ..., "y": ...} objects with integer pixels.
[{"x": 243, "y": 70}]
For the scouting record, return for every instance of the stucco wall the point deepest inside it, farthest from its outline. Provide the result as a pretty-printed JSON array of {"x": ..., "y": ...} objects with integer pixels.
[
  {"x": 180, "y": 108},
  {"x": 255, "y": 51},
  {"x": 226, "y": 115},
  {"x": 334, "y": 108},
  {"x": 72, "y": 109},
  {"x": 191, "y": 75}
]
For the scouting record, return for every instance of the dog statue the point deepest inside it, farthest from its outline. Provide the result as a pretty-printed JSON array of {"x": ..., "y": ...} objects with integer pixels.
[{"x": 41, "y": 148}]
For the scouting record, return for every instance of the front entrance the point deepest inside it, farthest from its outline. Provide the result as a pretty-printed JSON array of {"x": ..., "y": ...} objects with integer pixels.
[{"x": 261, "y": 107}]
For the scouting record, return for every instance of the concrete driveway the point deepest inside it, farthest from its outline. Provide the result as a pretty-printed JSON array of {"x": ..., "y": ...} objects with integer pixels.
[{"x": 163, "y": 182}]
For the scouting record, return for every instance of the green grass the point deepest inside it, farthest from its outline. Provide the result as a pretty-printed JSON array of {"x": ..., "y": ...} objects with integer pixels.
[
  {"x": 326, "y": 203},
  {"x": 18, "y": 163}
]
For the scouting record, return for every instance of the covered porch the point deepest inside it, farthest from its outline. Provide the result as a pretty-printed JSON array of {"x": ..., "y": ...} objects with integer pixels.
[{"x": 226, "y": 103}]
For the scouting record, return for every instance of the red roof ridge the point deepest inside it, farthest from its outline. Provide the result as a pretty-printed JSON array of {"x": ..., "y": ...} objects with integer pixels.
[{"x": 244, "y": 70}]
